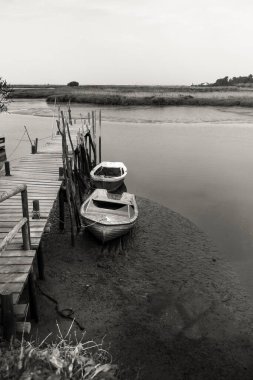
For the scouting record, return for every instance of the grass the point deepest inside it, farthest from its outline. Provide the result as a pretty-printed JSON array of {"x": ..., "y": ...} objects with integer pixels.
[
  {"x": 140, "y": 95},
  {"x": 66, "y": 358}
]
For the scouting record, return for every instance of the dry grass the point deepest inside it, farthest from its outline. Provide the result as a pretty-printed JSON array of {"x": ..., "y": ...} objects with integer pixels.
[{"x": 66, "y": 358}]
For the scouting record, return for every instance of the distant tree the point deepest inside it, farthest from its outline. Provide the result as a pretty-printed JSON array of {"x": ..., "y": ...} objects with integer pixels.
[
  {"x": 5, "y": 91},
  {"x": 73, "y": 84},
  {"x": 222, "y": 82},
  {"x": 235, "y": 81}
]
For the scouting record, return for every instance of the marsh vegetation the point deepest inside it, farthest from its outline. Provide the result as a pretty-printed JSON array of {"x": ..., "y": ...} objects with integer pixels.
[{"x": 140, "y": 95}]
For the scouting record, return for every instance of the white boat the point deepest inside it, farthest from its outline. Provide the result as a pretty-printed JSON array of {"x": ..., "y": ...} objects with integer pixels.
[
  {"x": 108, "y": 175},
  {"x": 108, "y": 216}
]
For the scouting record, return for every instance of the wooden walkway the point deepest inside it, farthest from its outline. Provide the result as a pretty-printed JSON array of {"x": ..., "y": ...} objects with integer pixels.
[{"x": 40, "y": 173}]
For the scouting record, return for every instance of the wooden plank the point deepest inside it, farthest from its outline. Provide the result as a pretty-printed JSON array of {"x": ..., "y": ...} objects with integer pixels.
[
  {"x": 33, "y": 234},
  {"x": 8, "y": 288},
  {"x": 5, "y": 230},
  {"x": 20, "y": 310},
  {"x": 18, "y": 243},
  {"x": 13, "y": 277},
  {"x": 15, "y": 297},
  {"x": 17, "y": 253},
  {"x": 14, "y": 268},
  {"x": 23, "y": 327},
  {"x": 15, "y": 260}
]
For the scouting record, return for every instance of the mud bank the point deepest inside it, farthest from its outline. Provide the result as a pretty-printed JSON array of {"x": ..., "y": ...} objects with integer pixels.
[{"x": 166, "y": 305}]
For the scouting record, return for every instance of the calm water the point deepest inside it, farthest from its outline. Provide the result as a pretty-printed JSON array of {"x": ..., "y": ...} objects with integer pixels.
[{"x": 196, "y": 161}]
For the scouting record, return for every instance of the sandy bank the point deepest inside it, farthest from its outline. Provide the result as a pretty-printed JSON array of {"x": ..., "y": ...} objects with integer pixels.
[{"x": 165, "y": 302}]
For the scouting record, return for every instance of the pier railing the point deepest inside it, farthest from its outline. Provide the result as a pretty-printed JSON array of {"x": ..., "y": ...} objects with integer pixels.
[{"x": 23, "y": 223}]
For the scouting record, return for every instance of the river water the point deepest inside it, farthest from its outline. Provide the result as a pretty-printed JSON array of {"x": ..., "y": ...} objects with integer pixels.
[{"x": 197, "y": 161}]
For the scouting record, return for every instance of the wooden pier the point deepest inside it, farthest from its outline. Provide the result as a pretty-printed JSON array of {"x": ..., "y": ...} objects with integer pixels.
[{"x": 27, "y": 195}]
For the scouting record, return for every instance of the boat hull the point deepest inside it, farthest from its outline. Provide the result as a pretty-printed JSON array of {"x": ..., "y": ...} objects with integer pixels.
[
  {"x": 110, "y": 186},
  {"x": 104, "y": 232}
]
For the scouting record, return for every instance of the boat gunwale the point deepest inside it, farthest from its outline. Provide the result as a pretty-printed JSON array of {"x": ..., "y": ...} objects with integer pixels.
[
  {"x": 93, "y": 222},
  {"x": 112, "y": 179},
  {"x": 106, "y": 199}
]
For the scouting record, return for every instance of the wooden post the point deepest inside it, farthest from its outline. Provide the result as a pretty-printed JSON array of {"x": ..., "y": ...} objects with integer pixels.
[
  {"x": 36, "y": 209},
  {"x": 89, "y": 118},
  {"x": 26, "y": 237},
  {"x": 36, "y": 144},
  {"x": 61, "y": 209},
  {"x": 58, "y": 132},
  {"x": 100, "y": 142},
  {"x": 89, "y": 152},
  {"x": 93, "y": 123},
  {"x": 26, "y": 227},
  {"x": 40, "y": 260},
  {"x": 93, "y": 146},
  {"x": 8, "y": 317},
  {"x": 32, "y": 297},
  {"x": 7, "y": 168},
  {"x": 67, "y": 176},
  {"x": 33, "y": 149},
  {"x": 70, "y": 119},
  {"x": 61, "y": 174}
]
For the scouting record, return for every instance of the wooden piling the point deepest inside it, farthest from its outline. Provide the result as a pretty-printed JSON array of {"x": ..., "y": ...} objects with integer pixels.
[
  {"x": 26, "y": 227},
  {"x": 36, "y": 144},
  {"x": 93, "y": 123},
  {"x": 7, "y": 168},
  {"x": 69, "y": 112},
  {"x": 61, "y": 174},
  {"x": 100, "y": 137},
  {"x": 32, "y": 297},
  {"x": 36, "y": 209},
  {"x": 67, "y": 176},
  {"x": 61, "y": 209},
  {"x": 40, "y": 259},
  {"x": 8, "y": 317}
]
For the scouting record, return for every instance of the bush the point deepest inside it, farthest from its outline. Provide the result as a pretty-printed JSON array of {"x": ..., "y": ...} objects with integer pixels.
[{"x": 73, "y": 84}]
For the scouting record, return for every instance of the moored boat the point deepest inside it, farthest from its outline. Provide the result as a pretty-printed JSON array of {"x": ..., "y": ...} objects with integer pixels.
[
  {"x": 108, "y": 216},
  {"x": 108, "y": 175}
]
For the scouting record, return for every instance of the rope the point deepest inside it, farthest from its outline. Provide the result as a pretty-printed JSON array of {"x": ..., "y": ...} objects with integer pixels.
[
  {"x": 18, "y": 158},
  {"x": 16, "y": 147},
  {"x": 82, "y": 225},
  {"x": 67, "y": 313},
  {"x": 44, "y": 138},
  {"x": 19, "y": 142},
  {"x": 92, "y": 224}
]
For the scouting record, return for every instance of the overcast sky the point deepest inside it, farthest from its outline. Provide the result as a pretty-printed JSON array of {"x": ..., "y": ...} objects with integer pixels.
[{"x": 125, "y": 41}]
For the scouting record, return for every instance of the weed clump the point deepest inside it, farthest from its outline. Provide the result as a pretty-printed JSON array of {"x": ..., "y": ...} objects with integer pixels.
[{"x": 64, "y": 359}]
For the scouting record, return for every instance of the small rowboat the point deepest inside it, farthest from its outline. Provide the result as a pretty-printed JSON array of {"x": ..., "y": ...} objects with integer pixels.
[
  {"x": 108, "y": 175},
  {"x": 108, "y": 216}
]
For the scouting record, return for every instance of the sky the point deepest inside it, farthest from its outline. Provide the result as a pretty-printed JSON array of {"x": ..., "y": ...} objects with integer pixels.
[{"x": 137, "y": 42}]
